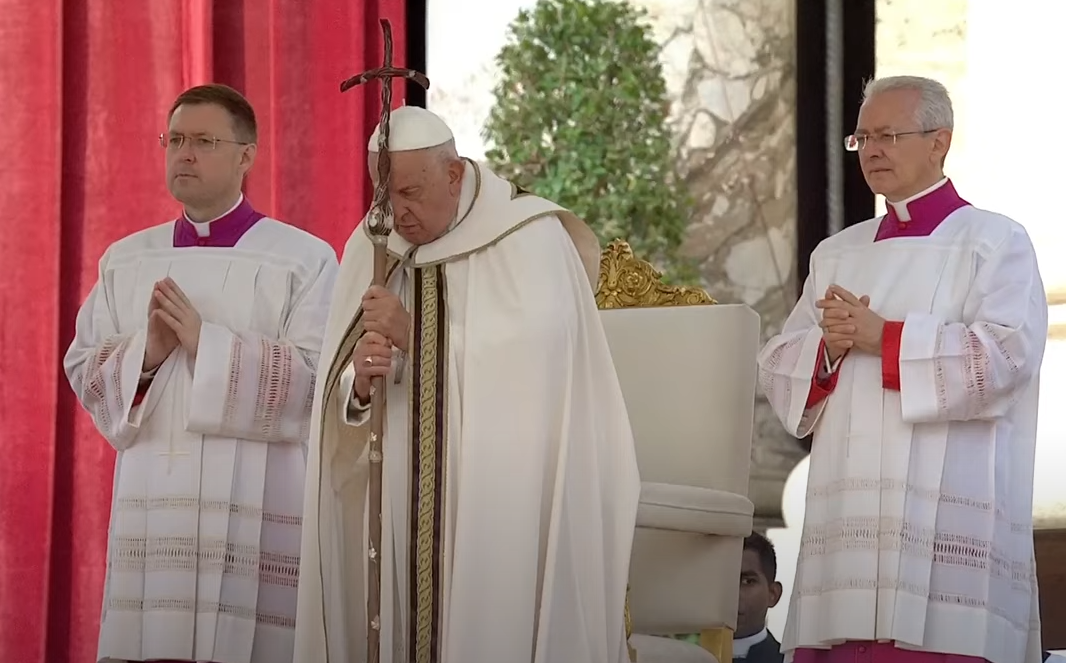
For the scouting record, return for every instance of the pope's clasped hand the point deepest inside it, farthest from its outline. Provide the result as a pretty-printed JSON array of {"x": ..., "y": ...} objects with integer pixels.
[
  {"x": 372, "y": 358},
  {"x": 384, "y": 314},
  {"x": 386, "y": 324}
]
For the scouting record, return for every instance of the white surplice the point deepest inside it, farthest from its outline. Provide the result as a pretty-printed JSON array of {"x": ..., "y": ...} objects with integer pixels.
[
  {"x": 518, "y": 528},
  {"x": 204, "y": 542},
  {"x": 918, "y": 524}
]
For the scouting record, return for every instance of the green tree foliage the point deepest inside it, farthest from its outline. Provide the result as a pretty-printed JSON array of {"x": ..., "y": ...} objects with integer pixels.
[{"x": 580, "y": 117}]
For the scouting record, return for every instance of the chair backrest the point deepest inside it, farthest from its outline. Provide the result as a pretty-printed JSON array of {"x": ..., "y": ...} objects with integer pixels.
[{"x": 687, "y": 369}]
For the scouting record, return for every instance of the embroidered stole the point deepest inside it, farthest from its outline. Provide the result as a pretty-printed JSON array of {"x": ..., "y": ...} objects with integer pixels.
[{"x": 428, "y": 384}]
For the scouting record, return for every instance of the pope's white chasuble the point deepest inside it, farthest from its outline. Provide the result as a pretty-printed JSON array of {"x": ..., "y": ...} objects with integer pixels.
[
  {"x": 918, "y": 523},
  {"x": 510, "y": 479},
  {"x": 204, "y": 542}
]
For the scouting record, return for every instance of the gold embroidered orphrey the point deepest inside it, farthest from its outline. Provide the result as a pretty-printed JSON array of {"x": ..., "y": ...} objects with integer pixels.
[
  {"x": 427, "y": 385},
  {"x": 379, "y": 224}
]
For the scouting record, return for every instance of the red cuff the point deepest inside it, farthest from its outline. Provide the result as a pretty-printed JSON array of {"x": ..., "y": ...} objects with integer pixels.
[
  {"x": 820, "y": 389},
  {"x": 890, "y": 340}
]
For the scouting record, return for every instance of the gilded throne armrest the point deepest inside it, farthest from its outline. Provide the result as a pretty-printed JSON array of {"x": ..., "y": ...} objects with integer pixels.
[{"x": 687, "y": 369}]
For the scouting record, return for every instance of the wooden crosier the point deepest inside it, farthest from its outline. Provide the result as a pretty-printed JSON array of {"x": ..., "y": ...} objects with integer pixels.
[{"x": 379, "y": 225}]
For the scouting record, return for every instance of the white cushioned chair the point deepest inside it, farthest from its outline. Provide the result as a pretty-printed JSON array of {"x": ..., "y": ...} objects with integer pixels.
[{"x": 687, "y": 370}]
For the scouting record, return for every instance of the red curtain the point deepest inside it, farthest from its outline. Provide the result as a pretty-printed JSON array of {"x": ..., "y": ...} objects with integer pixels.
[{"x": 84, "y": 89}]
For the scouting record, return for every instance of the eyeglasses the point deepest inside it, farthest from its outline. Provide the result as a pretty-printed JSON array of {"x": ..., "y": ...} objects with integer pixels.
[
  {"x": 200, "y": 144},
  {"x": 856, "y": 142}
]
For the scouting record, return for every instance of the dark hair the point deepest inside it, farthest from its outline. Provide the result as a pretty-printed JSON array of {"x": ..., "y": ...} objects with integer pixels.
[
  {"x": 240, "y": 111},
  {"x": 765, "y": 550}
]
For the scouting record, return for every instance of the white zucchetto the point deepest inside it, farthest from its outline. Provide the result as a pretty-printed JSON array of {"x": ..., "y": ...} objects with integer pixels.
[{"x": 412, "y": 128}]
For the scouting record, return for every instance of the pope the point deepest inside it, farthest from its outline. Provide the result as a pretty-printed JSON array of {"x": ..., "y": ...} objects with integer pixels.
[{"x": 510, "y": 483}]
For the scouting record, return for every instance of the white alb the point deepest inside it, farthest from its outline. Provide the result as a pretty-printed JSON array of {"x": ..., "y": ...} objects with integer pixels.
[
  {"x": 204, "y": 543},
  {"x": 918, "y": 524}
]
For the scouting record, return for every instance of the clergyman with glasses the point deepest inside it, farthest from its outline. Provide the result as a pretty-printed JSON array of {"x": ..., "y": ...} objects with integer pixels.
[
  {"x": 195, "y": 355},
  {"x": 913, "y": 356}
]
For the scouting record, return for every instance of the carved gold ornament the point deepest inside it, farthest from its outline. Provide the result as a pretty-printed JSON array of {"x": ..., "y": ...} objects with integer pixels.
[{"x": 626, "y": 281}]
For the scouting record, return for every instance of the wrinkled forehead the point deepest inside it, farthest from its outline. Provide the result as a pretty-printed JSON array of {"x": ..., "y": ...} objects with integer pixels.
[
  {"x": 894, "y": 110},
  {"x": 407, "y": 168}
]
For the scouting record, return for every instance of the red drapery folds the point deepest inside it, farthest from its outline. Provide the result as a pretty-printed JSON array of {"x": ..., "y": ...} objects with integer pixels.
[{"x": 84, "y": 89}]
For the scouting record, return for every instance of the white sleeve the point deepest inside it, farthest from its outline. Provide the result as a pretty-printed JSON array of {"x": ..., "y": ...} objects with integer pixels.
[
  {"x": 788, "y": 361},
  {"x": 251, "y": 387},
  {"x": 354, "y": 413},
  {"x": 975, "y": 369},
  {"x": 103, "y": 367}
]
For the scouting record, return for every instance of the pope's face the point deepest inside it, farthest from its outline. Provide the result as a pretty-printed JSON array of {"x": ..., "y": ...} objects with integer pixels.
[
  {"x": 424, "y": 191},
  {"x": 202, "y": 172},
  {"x": 901, "y": 167}
]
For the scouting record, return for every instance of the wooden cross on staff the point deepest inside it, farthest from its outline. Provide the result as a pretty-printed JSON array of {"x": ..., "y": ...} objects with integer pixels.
[
  {"x": 379, "y": 225},
  {"x": 380, "y": 217}
]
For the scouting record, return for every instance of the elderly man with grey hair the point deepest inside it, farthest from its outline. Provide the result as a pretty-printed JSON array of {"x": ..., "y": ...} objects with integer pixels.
[
  {"x": 510, "y": 483},
  {"x": 913, "y": 356}
]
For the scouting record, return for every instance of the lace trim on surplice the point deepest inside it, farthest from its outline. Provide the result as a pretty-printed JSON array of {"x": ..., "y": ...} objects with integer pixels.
[
  {"x": 96, "y": 382},
  {"x": 773, "y": 380},
  {"x": 208, "y": 607},
  {"x": 978, "y": 376},
  {"x": 272, "y": 390},
  {"x": 139, "y": 554},
  {"x": 201, "y": 556},
  {"x": 204, "y": 506},
  {"x": 894, "y": 534},
  {"x": 851, "y": 484}
]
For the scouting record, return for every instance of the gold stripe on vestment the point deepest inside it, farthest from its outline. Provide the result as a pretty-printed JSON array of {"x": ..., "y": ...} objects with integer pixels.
[{"x": 429, "y": 454}]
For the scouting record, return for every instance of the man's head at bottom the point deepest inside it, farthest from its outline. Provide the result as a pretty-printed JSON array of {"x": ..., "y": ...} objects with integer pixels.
[
  {"x": 426, "y": 174},
  {"x": 759, "y": 589}
]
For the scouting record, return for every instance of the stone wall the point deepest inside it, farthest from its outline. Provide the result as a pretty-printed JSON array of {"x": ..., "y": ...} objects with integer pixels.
[{"x": 730, "y": 73}]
